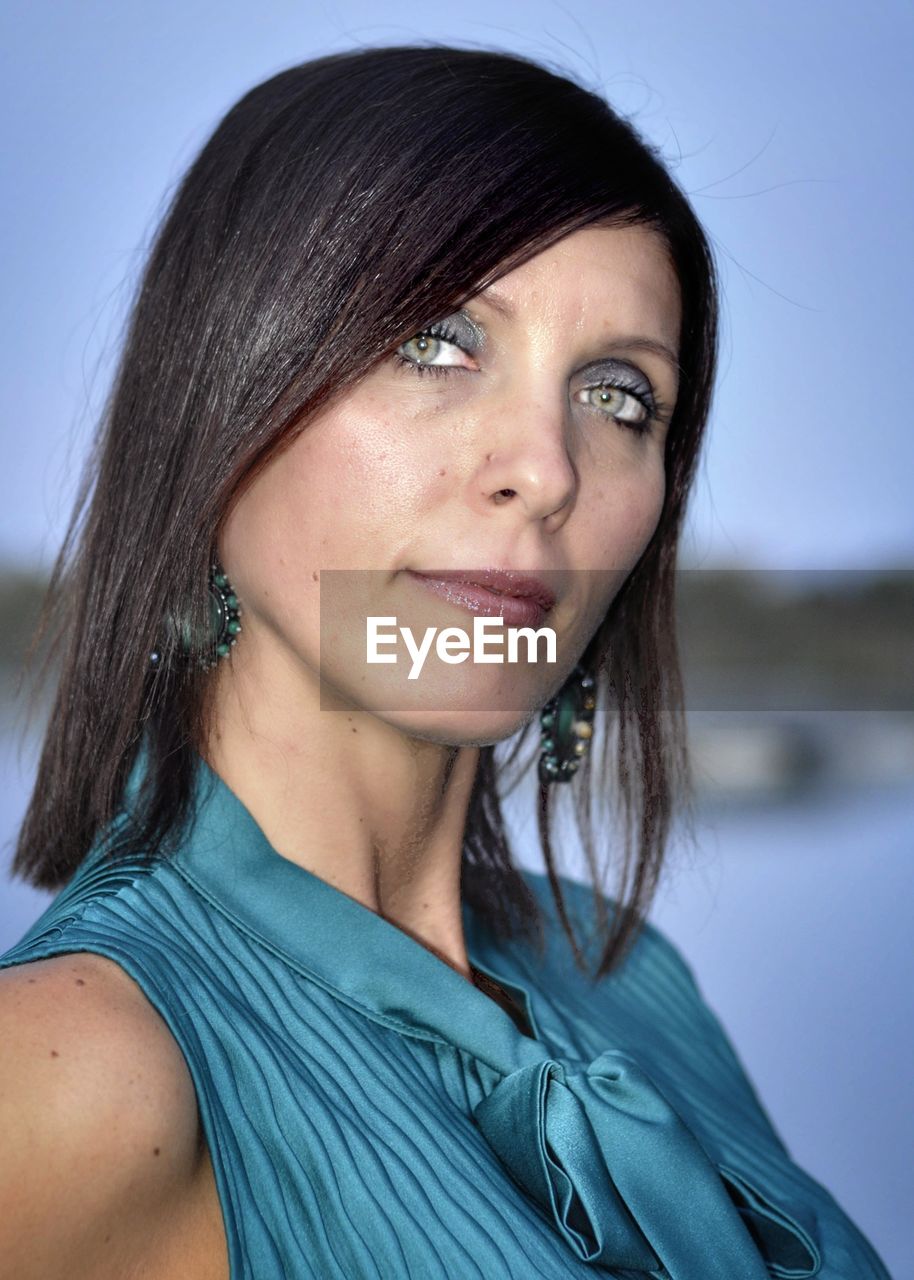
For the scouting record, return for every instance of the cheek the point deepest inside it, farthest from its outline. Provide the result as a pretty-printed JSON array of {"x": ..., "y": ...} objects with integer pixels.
[
  {"x": 343, "y": 495},
  {"x": 310, "y": 507},
  {"x": 399, "y": 462},
  {"x": 622, "y": 518},
  {"x": 646, "y": 505},
  {"x": 286, "y": 527},
  {"x": 268, "y": 554}
]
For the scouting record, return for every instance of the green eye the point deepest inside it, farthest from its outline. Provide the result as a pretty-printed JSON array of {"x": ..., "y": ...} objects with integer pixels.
[
  {"x": 616, "y": 402},
  {"x": 424, "y": 348},
  {"x": 431, "y": 351}
]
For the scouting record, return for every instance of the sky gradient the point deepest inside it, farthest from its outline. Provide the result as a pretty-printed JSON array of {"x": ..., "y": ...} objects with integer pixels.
[{"x": 788, "y": 126}]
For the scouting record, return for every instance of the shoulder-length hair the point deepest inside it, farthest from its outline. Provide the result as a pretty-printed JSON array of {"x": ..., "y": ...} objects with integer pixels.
[{"x": 337, "y": 209}]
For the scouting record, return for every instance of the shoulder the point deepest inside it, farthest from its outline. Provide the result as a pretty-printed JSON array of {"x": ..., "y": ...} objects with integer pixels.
[
  {"x": 651, "y": 948},
  {"x": 578, "y": 898},
  {"x": 97, "y": 1115},
  {"x": 577, "y": 895}
]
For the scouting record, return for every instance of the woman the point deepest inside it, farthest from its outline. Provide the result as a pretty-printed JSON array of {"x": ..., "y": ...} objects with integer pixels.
[{"x": 427, "y": 336}]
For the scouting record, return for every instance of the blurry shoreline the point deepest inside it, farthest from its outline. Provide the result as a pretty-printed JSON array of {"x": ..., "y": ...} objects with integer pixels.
[{"x": 794, "y": 680}]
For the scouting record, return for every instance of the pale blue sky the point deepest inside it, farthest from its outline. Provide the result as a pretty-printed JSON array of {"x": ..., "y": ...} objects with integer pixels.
[{"x": 788, "y": 124}]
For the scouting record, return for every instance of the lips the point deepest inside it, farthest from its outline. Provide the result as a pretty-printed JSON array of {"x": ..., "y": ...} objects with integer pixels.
[
  {"x": 463, "y": 589},
  {"x": 504, "y": 582}
]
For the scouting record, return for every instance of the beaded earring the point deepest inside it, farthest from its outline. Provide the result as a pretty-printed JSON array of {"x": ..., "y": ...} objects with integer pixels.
[
  {"x": 224, "y": 625},
  {"x": 566, "y": 723},
  {"x": 224, "y": 614}
]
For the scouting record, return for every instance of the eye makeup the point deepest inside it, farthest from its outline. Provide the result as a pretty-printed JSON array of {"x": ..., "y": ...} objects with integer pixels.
[
  {"x": 618, "y": 373},
  {"x": 460, "y": 329}
]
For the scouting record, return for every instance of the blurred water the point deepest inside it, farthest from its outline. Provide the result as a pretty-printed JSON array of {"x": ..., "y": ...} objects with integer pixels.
[
  {"x": 797, "y": 921},
  {"x": 796, "y": 918}
]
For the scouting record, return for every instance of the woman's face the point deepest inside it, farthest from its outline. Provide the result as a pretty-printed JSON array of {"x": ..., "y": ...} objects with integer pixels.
[{"x": 526, "y": 432}]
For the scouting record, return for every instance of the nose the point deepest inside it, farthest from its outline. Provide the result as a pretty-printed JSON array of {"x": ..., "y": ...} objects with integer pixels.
[{"x": 525, "y": 459}]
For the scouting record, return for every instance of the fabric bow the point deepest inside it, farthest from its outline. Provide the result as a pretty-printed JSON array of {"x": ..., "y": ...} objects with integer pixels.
[{"x": 627, "y": 1182}]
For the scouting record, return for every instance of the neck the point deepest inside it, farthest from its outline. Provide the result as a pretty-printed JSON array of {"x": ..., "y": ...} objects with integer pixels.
[{"x": 376, "y": 813}]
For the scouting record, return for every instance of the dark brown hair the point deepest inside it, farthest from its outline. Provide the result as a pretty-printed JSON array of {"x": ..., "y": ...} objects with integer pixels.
[{"x": 358, "y": 195}]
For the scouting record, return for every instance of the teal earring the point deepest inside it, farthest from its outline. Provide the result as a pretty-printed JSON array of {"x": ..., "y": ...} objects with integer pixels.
[
  {"x": 566, "y": 724},
  {"x": 224, "y": 624},
  {"x": 224, "y": 614}
]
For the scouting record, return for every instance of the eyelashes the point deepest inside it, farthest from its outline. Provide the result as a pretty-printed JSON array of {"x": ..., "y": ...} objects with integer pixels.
[
  {"x": 620, "y": 393},
  {"x": 431, "y": 340}
]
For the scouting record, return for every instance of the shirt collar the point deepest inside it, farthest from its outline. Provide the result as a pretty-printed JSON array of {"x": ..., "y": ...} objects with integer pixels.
[{"x": 342, "y": 944}]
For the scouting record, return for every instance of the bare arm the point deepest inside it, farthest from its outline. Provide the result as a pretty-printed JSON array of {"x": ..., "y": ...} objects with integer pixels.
[{"x": 98, "y": 1125}]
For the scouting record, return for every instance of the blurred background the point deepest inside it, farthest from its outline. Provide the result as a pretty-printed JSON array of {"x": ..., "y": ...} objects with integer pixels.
[{"x": 788, "y": 127}]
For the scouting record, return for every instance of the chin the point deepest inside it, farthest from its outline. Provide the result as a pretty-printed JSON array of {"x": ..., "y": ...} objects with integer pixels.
[
  {"x": 460, "y": 706},
  {"x": 480, "y": 728}
]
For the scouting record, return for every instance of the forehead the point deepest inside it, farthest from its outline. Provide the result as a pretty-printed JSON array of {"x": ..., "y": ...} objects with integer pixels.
[{"x": 598, "y": 278}]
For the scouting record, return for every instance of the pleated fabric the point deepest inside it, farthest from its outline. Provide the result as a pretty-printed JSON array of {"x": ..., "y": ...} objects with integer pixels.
[{"x": 371, "y": 1115}]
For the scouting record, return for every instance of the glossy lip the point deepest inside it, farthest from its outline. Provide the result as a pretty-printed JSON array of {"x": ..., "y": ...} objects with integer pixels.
[
  {"x": 517, "y": 611},
  {"x": 505, "y": 582}
]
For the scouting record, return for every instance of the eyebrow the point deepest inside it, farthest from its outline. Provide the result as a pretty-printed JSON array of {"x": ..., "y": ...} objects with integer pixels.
[
  {"x": 628, "y": 341},
  {"x": 497, "y": 303},
  {"x": 649, "y": 344}
]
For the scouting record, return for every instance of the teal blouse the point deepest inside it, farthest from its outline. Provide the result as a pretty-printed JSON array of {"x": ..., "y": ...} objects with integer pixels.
[{"x": 371, "y": 1114}]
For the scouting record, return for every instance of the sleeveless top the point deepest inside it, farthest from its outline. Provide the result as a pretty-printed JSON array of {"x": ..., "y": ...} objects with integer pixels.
[{"x": 372, "y": 1115}]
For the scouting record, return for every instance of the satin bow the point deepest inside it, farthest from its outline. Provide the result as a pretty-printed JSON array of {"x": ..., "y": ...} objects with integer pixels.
[{"x": 626, "y": 1180}]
